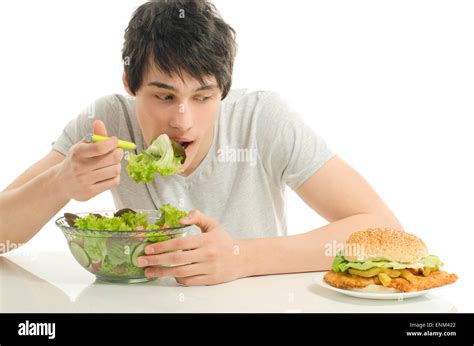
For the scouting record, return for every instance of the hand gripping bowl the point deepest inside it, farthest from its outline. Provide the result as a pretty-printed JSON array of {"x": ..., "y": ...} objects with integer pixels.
[{"x": 111, "y": 255}]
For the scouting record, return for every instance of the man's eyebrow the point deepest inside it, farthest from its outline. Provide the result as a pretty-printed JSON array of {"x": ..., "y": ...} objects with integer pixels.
[
  {"x": 172, "y": 88},
  {"x": 161, "y": 85},
  {"x": 206, "y": 87}
]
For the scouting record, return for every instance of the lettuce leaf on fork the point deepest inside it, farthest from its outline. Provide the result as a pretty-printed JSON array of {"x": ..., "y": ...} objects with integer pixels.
[{"x": 163, "y": 156}]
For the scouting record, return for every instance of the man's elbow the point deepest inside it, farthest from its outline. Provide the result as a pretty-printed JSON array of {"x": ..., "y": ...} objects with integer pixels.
[{"x": 388, "y": 220}]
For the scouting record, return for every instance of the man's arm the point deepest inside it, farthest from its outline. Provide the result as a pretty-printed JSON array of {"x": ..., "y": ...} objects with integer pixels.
[
  {"x": 335, "y": 191},
  {"x": 30, "y": 201},
  {"x": 42, "y": 190},
  {"x": 344, "y": 198}
]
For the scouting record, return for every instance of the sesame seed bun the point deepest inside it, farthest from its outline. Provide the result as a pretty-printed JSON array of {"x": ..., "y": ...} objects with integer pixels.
[{"x": 384, "y": 243}]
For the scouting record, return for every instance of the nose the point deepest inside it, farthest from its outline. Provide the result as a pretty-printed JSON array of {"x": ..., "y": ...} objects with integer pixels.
[{"x": 182, "y": 120}]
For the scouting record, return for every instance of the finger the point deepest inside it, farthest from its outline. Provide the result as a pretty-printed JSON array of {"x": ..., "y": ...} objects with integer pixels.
[
  {"x": 105, "y": 185},
  {"x": 177, "y": 272},
  {"x": 195, "y": 217},
  {"x": 112, "y": 158},
  {"x": 87, "y": 150},
  {"x": 104, "y": 173},
  {"x": 175, "y": 258},
  {"x": 98, "y": 128},
  {"x": 186, "y": 243},
  {"x": 196, "y": 280}
]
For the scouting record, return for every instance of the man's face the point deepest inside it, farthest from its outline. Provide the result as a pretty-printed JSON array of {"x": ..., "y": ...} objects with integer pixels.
[{"x": 184, "y": 110}]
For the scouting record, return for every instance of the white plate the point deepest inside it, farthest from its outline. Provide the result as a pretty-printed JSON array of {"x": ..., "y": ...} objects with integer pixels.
[{"x": 375, "y": 295}]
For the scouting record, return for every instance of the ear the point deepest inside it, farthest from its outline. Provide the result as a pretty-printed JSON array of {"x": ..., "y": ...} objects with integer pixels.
[{"x": 125, "y": 83}]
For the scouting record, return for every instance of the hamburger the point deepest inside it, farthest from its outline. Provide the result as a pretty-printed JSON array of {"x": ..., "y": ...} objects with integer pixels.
[{"x": 386, "y": 260}]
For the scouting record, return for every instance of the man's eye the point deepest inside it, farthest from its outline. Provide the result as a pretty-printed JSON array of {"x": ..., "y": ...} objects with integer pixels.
[
  {"x": 164, "y": 97},
  {"x": 203, "y": 98}
]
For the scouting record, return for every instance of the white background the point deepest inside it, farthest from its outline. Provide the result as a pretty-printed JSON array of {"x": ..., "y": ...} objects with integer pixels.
[{"x": 388, "y": 84}]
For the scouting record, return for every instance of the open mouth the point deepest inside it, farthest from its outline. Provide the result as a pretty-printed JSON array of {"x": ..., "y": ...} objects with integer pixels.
[
  {"x": 185, "y": 144},
  {"x": 181, "y": 146}
]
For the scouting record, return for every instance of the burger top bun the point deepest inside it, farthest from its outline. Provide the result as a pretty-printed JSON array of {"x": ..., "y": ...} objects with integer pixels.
[{"x": 384, "y": 244}]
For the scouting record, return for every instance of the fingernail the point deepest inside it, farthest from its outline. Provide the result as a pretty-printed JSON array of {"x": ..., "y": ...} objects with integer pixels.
[
  {"x": 149, "y": 250},
  {"x": 142, "y": 262},
  {"x": 185, "y": 219}
]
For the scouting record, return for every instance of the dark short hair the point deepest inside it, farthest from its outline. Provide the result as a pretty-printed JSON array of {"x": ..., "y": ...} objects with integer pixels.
[{"x": 179, "y": 36}]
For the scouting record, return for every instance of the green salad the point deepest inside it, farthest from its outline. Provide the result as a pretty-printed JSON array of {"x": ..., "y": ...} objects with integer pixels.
[
  {"x": 112, "y": 255},
  {"x": 163, "y": 156}
]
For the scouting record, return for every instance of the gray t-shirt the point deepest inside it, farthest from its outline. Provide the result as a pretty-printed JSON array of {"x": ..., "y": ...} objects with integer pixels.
[{"x": 260, "y": 145}]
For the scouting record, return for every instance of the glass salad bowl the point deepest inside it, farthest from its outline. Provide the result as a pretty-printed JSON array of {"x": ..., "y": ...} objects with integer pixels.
[{"x": 111, "y": 254}]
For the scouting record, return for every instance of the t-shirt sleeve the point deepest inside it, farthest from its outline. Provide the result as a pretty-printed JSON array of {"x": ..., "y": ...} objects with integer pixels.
[
  {"x": 290, "y": 150},
  {"x": 103, "y": 109}
]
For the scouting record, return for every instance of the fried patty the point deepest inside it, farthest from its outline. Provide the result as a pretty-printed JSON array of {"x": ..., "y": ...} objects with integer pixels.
[{"x": 417, "y": 283}]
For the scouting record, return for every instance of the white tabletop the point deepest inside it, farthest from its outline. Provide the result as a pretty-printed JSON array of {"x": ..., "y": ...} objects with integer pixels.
[{"x": 54, "y": 282}]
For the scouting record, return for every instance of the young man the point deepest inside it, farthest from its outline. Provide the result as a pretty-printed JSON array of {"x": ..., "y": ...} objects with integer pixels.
[{"x": 244, "y": 149}]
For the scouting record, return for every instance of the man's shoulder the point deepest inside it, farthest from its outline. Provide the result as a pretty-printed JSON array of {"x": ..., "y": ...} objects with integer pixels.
[
  {"x": 112, "y": 105},
  {"x": 111, "y": 109},
  {"x": 113, "y": 101},
  {"x": 257, "y": 105},
  {"x": 250, "y": 96}
]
